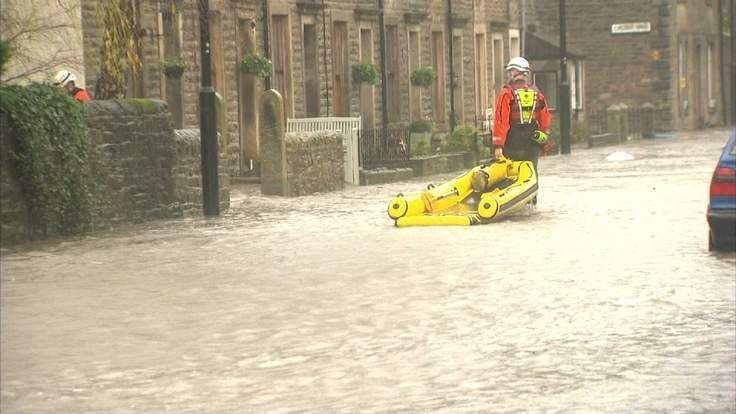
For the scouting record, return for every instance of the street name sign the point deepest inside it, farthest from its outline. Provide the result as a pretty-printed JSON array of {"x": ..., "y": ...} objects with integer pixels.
[{"x": 639, "y": 27}]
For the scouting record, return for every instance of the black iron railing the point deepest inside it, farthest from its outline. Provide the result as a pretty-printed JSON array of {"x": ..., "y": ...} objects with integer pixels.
[{"x": 379, "y": 147}]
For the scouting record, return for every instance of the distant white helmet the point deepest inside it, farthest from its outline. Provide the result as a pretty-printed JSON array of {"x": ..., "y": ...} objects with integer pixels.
[
  {"x": 519, "y": 63},
  {"x": 63, "y": 77}
]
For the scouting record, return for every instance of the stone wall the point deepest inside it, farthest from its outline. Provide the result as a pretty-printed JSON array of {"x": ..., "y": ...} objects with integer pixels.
[
  {"x": 134, "y": 142},
  {"x": 314, "y": 162},
  {"x": 149, "y": 169},
  {"x": 637, "y": 68},
  {"x": 145, "y": 169},
  {"x": 187, "y": 173}
]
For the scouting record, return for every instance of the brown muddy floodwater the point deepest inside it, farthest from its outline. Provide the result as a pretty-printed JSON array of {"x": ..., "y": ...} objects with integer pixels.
[{"x": 603, "y": 299}]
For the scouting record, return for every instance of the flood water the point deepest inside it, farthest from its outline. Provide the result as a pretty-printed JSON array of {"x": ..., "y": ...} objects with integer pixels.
[{"x": 602, "y": 299}]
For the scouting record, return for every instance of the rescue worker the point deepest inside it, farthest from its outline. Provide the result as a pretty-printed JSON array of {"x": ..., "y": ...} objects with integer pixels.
[
  {"x": 522, "y": 118},
  {"x": 67, "y": 80}
]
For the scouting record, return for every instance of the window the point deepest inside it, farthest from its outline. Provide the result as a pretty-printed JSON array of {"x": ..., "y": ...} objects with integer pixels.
[
  {"x": 514, "y": 43},
  {"x": 392, "y": 73},
  {"x": 218, "y": 57},
  {"x": 367, "y": 105},
  {"x": 576, "y": 83},
  {"x": 340, "y": 69},
  {"x": 498, "y": 62},
  {"x": 311, "y": 70},
  {"x": 170, "y": 48},
  {"x": 481, "y": 88},
  {"x": 438, "y": 85},
  {"x": 281, "y": 55},
  {"x": 547, "y": 83}
]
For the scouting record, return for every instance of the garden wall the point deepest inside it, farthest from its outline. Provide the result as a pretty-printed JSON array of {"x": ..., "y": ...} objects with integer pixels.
[{"x": 145, "y": 168}]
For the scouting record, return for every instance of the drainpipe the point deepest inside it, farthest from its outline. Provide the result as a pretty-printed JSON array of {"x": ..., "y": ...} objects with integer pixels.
[
  {"x": 384, "y": 91},
  {"x": 266, "y": 41},
  {"x": 324, "y": 53},
  {"x": 452, "y": 69}
]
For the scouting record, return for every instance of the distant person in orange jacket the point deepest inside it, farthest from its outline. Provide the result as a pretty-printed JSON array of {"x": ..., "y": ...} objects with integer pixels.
[
  {"x": 522, "y": 117},
  {"x": 67, "y": 80}
]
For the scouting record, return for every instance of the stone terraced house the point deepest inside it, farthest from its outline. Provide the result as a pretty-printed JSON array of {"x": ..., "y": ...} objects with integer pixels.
[
  {"x": 313, "y": 45},
  {"x": 677, "y": 55}
]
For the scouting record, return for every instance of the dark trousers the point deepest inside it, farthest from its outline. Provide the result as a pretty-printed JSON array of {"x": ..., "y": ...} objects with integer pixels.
[{"x": 520, "y": 146}]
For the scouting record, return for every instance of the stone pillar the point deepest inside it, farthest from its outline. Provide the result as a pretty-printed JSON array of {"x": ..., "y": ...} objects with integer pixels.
[
  {"x": 617, "y": 121},
  {"x": 272, "y": 144}
]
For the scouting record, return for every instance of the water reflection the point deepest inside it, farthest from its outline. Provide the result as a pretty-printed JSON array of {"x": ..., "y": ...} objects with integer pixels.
[{"x": 603, "y": 299}]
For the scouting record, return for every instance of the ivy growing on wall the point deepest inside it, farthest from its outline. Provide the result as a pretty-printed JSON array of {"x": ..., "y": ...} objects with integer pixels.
[{"x": 50, "y": 157}]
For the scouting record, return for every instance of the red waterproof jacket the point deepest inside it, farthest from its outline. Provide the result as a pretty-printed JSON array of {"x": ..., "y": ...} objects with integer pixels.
[
  {"x": 508, "y": 112},
  {"x": 81, "y": 95}
]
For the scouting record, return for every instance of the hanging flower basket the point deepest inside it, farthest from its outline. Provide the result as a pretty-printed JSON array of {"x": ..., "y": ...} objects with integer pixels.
[
  {"x": 423, "y": 76},
  {"x": 366, "y": 73},
  {"x": 256, "y": 64},
  {"x": 174, "y": 68}
]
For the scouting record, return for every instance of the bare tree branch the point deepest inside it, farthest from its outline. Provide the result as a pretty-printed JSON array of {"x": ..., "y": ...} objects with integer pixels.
[{"x": 42, "y": 34}]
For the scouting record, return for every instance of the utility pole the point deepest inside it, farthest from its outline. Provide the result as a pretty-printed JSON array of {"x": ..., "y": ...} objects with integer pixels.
[
  {"x": 207, "y": 125},
  {"x": 564, "y": 85}
]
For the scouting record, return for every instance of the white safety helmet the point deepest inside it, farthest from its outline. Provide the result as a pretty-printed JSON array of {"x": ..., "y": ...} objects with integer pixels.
[
  {"x": 63, "y": 77},
  {"x": 519, "y": 63}
]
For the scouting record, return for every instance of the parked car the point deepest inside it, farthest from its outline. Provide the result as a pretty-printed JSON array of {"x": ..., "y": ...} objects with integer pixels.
[{"x": 722, "y": 205}]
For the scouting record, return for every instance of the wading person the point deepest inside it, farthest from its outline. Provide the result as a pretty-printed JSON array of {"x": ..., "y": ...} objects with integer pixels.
[
  {"x": 522, "y": 117},
  {"x": 67, "y": 80}
]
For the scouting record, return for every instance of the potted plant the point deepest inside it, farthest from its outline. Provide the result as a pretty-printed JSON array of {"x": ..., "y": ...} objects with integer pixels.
[
  {"x": 423, "y": 76},
  {"x": 364, "y": 72},
  {"x": 255, "y": 64},
  {"x": 174, "y": 68}
]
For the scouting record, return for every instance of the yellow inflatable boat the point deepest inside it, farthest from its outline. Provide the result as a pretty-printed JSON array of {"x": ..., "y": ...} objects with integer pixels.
[{"x": 479, "y": 196}]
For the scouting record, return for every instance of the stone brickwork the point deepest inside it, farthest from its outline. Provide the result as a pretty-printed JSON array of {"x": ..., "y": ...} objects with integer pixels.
[
  {"x": 314, "y": 162},
  {"x": 134, "y": 140},
  {"x": 187, "y": 173},
  {"x": 638, "y": 68},
  {"x": 301, "y": 163},
  {"x": 145, "y": 169},
  {"x": 272, "y": 144}
]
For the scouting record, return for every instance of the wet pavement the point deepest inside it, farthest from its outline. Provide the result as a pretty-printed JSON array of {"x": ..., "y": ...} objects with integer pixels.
[{"x": 602, "y": 299}]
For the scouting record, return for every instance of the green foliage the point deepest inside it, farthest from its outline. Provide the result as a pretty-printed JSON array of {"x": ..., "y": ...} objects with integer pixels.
[
  {"x": 256, "y": 64},
  {"x": 50, "y": 156},
  {"x": 421, "y": 148},
  {"x": 5, "y": 52},
  {"x": 173, "y": 68},
  {"x": 466, "y": 138},
  {"x": 366, "y": 73},
  {"x": 421, "y": 126},
  {"x": 423, "y": 77}
]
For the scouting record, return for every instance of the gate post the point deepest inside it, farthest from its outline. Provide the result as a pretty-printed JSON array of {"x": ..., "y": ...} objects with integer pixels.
[{"x": 272, "y": 144}]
